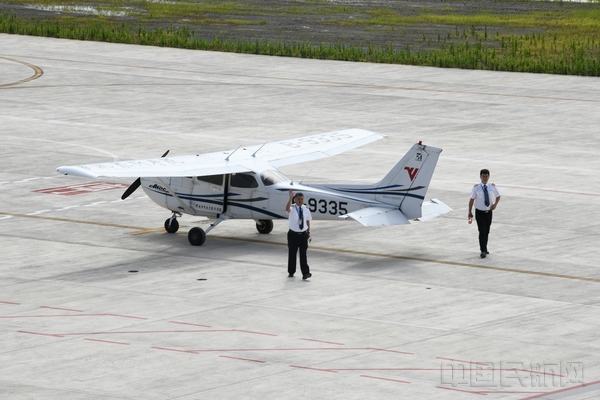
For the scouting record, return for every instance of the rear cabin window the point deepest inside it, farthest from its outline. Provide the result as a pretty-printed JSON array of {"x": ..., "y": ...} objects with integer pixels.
[
  {"x": 214, "y": 179},
  {"x": 246, "y": 181}
]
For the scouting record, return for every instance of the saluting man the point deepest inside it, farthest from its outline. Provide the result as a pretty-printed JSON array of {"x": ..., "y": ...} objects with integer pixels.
[
  {"x": 299, "y": 233},
  {"x": 485, "y": 197}
]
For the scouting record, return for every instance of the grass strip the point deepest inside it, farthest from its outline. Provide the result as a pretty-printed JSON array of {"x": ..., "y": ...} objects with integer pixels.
[{"x": 552, "y": 53}]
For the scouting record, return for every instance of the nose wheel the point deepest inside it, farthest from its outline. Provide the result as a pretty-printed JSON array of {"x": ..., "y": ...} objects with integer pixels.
[{"x": 171, "y": 224}]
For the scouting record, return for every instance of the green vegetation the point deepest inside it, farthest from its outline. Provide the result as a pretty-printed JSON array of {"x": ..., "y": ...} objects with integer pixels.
[{"x": 560, "y": 41}]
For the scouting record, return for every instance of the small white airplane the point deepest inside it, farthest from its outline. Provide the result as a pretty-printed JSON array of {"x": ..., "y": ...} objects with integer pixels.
[{"x": 245, "y": 184}]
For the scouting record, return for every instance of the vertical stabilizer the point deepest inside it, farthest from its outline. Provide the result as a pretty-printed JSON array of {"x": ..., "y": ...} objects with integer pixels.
[{"x": 405, "y": 186}]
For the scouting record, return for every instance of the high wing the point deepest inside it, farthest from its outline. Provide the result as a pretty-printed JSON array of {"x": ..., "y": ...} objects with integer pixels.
[{"x": 252, "y": 158}]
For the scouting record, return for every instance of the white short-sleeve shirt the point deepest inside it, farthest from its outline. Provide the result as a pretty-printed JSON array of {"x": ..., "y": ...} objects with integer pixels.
[
  {"x": 479, "y": 197},
  {"x": 294, "y": 219}
]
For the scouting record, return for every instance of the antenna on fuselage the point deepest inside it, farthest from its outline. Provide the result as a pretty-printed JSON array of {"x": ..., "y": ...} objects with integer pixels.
[
  {"x": 254, "y": 154},
  {"x": 302, "y": 180},
  {"x": 227, "y": 159}
]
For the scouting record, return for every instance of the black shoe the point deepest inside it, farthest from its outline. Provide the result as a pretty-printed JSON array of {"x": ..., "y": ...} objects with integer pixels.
[
  {"x": 290, "y": 275},
  {"x": 482, "y": 255},
  {"x": 305, "y": 277},
  {"x": 487, "y": 252}
]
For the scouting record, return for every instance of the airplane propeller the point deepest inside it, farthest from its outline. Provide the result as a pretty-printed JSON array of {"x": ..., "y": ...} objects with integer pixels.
[{"x": 136, "y": 184}]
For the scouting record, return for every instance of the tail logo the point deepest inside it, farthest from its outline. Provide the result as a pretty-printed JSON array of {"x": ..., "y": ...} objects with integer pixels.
[{"x": 412, "y": 172}]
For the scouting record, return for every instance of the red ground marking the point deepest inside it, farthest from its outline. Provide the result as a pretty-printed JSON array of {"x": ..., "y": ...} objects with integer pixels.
[
  {"x": 256, "y": 333},
  {"x": 562, "y": 390},
  {"x": 290, "y": 349},
  {"x": 463, "y": 391},
  {"x": 387, "y": 369},
  {"x": 433, "y": 369},
  {"x": 243, "y": 359},
  {"x": 41, "y": 334},
  {"x": 313, "y": 369},
  {"x": 390, "y": 351},
  {"x": 323, "y": 341},
  {"x": 63, "y": 309},
  {"x": 82, "y": 188},
  {"x": 10, "y": 302},
  {"x": 105, "y": 341},
  {"x": 189, "y": 323},
  {"x": 126, "y": 316},
  {"x": 133, "y": 332},
  {"x": 454, "y": 359},
  {"x": 384, "y": 379},
  {"x": 69, "y": 315},
  {"x": 175, "y": 350}
]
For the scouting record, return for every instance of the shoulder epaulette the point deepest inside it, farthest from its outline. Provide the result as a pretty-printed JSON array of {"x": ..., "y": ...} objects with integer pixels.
[
  {"x": 475, "y": 184},
  {"x": 493, "y": 184}
]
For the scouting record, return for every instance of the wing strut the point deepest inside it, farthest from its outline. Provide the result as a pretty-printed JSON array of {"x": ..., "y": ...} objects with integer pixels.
[{"x": 217, "y": 222}]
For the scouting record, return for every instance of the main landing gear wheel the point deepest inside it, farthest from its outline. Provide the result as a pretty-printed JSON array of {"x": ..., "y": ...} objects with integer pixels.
[
  {"x": 171, "y": 225},
  {"x": 196, "y": 236},
  {"x": 264, "y": 226}
]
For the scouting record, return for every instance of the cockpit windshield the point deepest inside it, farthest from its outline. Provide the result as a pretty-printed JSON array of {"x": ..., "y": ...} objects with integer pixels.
[{"x": 271, "y": 177}]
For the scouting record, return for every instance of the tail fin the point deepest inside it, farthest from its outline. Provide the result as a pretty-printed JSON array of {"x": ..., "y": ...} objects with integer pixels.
[{"x": 405, "y": 186}]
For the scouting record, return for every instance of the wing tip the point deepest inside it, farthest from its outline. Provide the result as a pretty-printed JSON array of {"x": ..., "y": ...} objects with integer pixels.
[{"x": 77, "y": 171}]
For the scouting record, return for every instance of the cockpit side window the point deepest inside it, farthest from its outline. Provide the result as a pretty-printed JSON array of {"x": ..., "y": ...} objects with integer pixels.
[
  {"x": 214, "y": 179},
  {"x": 243, "y": 180}
]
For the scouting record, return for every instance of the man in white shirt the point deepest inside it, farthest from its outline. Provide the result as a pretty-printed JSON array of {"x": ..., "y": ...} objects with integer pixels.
[
  {"x": 299, "y": 233},
  {"x": 485, "y": 197}
]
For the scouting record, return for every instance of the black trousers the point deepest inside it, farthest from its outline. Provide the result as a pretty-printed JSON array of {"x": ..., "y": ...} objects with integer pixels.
[
  {"x": 297, "y": 241},
  {"x": 484, "y": 221}
]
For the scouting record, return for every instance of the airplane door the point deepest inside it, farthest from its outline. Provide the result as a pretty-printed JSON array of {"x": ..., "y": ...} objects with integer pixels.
[
  {"x": 208, "y": 195},
  {"x": 246, "y": 197}
]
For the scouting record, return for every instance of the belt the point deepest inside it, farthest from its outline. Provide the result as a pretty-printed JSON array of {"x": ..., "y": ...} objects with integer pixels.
[
  {"x": 483, "y": 211},
  {"x": 297, "y": 233}
]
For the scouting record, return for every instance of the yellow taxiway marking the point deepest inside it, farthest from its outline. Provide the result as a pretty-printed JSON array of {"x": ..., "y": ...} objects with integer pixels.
[
  {"x": 75, "y": 221},
  {"x": 37, "y": 74},
  {"x": 427, "y": 260},
  {"x": 141, "y": 231}
]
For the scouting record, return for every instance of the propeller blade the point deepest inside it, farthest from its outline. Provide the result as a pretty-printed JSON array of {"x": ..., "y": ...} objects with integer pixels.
[{"x": 136, "y": 184}]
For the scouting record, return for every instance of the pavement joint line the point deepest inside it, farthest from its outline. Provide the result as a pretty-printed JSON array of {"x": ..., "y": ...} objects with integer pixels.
[
  {"x": 140, "y": 230},
  {"x": 348, "y": 84},
  {"x": 37, "y": 74}
]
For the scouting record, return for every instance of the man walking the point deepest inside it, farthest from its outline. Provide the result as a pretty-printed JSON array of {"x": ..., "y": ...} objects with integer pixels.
[
  {"x": 298, "y": 234},
  {"x": 485, "y": 197}
]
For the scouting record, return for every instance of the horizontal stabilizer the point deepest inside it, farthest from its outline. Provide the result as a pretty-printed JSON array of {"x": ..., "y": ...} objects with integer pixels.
[
  {"x": 378, "y": 216},
  {"x": 433, "y": 208}
]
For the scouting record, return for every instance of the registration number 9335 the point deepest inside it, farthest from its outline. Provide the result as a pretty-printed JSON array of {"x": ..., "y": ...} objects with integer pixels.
[{"x": 327, "y": 207}]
